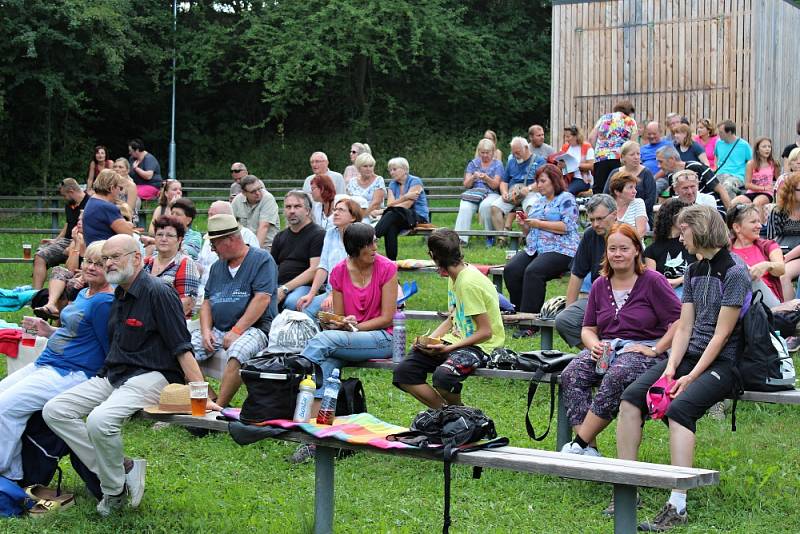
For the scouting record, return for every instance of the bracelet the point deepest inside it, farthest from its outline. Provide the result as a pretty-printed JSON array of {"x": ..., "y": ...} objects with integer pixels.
[{"x": 236, "y": 330}]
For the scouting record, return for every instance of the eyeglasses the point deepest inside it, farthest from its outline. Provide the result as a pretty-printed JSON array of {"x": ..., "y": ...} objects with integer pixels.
[
  {"x": 160, "y": 235},
  {"x": 253, "y": 191},
  {"x": 115, "y": 258},
  {"x": 99, "y": 264},
  {"x": 237, "y": 170},
  {"x": 601, "y": 219},
  {"x": 797, "y": 188},
  {"x": 214, "y": 242}
]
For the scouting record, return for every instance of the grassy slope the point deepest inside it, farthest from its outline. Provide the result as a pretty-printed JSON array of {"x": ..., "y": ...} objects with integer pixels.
[{"x": 217, "y": 486}]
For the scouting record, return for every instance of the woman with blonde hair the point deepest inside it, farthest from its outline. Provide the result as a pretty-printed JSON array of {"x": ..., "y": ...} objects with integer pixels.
[
  {"x": 491, "y": 136},
  {"x": 368, "y": 185},
  {"x": 481, "y": 183},
  {"x": 101, "y": 217}
]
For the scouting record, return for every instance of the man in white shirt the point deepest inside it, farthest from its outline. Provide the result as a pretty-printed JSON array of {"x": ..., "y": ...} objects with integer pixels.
[{"x": 319, "y": 166}]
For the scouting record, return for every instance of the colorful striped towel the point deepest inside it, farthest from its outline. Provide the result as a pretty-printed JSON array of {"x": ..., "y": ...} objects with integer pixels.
[{"x": 362, "y": 428}]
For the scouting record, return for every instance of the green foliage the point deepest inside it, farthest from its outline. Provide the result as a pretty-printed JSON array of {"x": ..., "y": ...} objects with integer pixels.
[{"x": 76, "y": 73}]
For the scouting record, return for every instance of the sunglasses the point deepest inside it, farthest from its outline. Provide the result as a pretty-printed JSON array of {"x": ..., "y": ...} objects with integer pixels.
[{"x": 236, "y": 170}]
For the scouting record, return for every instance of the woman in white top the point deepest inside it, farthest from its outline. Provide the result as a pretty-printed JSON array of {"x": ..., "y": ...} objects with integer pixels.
[
  {"x": 368, "y": 185},
  {"x": 630, "y": 209}
]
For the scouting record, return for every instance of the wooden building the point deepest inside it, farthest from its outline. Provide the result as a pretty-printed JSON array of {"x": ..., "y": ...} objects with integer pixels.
[{"x": 722, "y": 59}]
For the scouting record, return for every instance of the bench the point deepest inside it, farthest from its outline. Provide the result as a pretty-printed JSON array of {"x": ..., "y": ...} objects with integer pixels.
[
  {"x": 513, "y": 236},
  {"x": 625, "y": 476}
]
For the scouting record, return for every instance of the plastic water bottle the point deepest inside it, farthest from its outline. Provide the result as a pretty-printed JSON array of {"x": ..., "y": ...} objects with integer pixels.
[
  {"x": 305, "y": 398},
  {"x": 398, "y": 336},
  {"x": 605, "y": 359},
  {"x": 327, "y": 410}
]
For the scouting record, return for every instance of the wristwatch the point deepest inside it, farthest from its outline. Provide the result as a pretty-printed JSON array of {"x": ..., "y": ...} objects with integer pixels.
[{"x": 284, "y": 290}]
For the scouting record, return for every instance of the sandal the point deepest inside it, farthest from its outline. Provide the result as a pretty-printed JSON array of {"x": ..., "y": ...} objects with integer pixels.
[
  {"x": 43, "y": 312},
  {"x": 48, "y": 499}
]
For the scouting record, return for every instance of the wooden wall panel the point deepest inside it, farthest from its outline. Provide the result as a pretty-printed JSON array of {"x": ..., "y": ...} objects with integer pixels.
[{"x": 722, "y": 59}]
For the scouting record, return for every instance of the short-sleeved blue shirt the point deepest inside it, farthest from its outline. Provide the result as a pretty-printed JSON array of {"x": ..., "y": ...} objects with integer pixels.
[
  {"x": 420, "y": 207},
  {"x": 81, "y": 343},
  {"x": 97, "y": 219},
  {"x": 230, "y": 295}
]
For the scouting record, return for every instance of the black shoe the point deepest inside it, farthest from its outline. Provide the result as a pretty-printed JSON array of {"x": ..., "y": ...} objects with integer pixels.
[{"x": 526, "y": 332}]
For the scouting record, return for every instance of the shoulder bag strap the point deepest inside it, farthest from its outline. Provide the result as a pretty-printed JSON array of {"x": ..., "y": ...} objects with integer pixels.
[
  {"x": 724, "y": 161},
  {"x": 532, "y": 387}
]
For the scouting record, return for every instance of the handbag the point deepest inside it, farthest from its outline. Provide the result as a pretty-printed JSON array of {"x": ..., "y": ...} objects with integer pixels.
[
  {"x": 542, "y": 362},
  {"x": 272, "y": 382},
  {"x": 475, "y": 195}
]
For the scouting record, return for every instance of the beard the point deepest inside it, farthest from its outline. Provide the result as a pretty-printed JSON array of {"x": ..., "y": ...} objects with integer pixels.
[{"x": 121, "y": 275}]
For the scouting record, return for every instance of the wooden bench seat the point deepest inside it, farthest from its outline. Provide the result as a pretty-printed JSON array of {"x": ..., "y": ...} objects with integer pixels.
[{"x": 626, "y": 476}]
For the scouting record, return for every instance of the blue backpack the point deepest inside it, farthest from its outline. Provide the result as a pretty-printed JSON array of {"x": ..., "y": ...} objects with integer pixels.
[{"x": 13, "y": 499}]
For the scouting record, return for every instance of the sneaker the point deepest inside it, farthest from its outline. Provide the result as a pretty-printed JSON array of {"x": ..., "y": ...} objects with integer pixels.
[
  {"x": 717, "y": 412},
  {"x": 303, "y": 454},
  {"x": 667, "y": 518},
  {"x": 134, "y": 480},
  {"x": 793, "y": 343},
  {"x": 572, "y": 448},
  {"x": 111, "y": 503},
  {"x": 591, "y": 451},
  {"x": 609, "y": 511}
]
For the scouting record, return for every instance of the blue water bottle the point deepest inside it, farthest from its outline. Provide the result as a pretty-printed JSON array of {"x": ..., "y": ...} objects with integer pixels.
[
  {"x": 398, "y": 336},
  {"x": 327, "y": 409}
]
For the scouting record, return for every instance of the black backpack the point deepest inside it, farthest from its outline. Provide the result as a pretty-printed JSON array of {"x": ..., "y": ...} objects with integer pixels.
[
  {"x": 452, "y": 427},
  {"x": 351, "y": 398},
  {"x": 762, "y": 361}
]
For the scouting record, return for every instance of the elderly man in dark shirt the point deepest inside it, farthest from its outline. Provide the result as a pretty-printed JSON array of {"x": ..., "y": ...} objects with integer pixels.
[{"x": 149, "y": 347}]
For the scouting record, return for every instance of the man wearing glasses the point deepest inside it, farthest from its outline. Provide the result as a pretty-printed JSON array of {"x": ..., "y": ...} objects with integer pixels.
[
  {"x": 149, "y": 347},
  {"x": 319, "y": 166},
  {"x": 257, "y": 210},
  {"x": 238, "y": 171},
  {"x": 601, "y": 210},
  {"x": 670, "y": 163}
]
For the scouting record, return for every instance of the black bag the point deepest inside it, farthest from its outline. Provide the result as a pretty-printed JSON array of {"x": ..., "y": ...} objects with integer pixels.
[
  {"x": 786, "y": 322},
  {"x": 273, "y": 381},
  {"x": 453, "y": 427},
  {"x": 351, "y": 398},
  {"x": 762, "y": 361},
  {"x": 542, "y": 362}
]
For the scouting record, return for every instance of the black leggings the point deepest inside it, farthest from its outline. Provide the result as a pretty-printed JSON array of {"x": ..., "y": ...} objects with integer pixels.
[
  {"x": 393, "y": 221},
  {"x": 526, "y": 278}
]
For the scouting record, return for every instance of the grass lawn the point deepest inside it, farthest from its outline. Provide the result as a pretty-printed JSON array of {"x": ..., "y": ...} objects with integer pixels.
[{"x": 212, "y": 484}]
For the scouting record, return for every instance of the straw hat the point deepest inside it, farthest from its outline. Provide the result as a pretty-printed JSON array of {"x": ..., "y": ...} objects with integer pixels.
[
  {"x": 222, "y": 225},
  {"x": 174, "y": 399}
]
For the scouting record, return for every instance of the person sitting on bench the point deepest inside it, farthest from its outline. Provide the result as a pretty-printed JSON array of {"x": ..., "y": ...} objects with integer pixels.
[
  {"x": 365, "y": 295},
  {"x": 715, "y": 291},
  {"x": 471, "y": 332},
  {"x": 630, "y": 313}
]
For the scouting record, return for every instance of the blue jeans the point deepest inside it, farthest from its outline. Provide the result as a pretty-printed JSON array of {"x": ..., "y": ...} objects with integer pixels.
[
  {"x": 290, "y": 302},
  {"x": 315, "y": 305},
  {"x": 332, "y": 348}
]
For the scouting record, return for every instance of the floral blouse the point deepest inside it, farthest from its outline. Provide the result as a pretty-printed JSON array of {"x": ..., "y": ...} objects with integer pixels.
[
  {"x": 613, "y": 130},
  {"x": 562, "y": 208},
  {"x": 354, "y": 189}
]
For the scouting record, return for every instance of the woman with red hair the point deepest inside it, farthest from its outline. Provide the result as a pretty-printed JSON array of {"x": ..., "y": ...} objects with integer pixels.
[
  {"x": 323, "y": 192},
  {"x": 551, "y": 240},
  {"x": 630, "y": 312}
]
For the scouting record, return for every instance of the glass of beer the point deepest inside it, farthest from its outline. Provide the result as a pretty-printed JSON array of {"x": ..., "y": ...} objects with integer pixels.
[
  {"x": 198, "y": 391},
  {"x": 26, "y": 251}
]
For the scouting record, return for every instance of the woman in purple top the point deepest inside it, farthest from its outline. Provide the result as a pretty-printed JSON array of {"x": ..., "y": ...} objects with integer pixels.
[{"x": 633, "y": 309}]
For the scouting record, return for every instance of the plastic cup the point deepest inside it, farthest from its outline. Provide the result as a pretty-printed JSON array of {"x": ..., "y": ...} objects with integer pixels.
[
  {"x": 510, "y": 254},
  {"x": 198, "y": 391},
  {"x": 26, "y": 251}
]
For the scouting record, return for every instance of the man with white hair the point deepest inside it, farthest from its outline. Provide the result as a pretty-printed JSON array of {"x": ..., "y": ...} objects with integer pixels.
[
  {"x": 149, "y": 347},
  {"x": 518, "y": 186},
  {"x": 207, "y": 256},
  {"x": 670, "y": 162},
  {"x": 687, "y": 188},
  {"x": 319, "y": 166}
]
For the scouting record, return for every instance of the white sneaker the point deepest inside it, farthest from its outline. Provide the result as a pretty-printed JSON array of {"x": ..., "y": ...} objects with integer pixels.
[
  {"x": 572, "y": 448},
  {"x": 110, "y": 504},
  {"x": 134, "y": 480},
  {"x": 591, "y": 451}
]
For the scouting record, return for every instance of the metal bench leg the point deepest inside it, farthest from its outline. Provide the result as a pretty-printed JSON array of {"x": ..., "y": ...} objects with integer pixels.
[
  {"x": 547, "y": 337},
  {"x": 514, "y": 243},
  {"x": 498, "y": 282},
  {"x": 323, "y": 490},
  {"x": 563, "y": 430},
  {"x": 624, "y": 509}
]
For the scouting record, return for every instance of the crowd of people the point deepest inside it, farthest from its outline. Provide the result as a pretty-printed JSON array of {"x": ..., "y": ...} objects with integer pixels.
[{"x": 714, "y": 209}]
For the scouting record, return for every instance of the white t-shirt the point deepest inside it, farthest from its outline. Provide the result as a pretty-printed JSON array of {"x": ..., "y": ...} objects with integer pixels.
[
  {"x": 575, "y": 152},
  {"x": 338, "y": 182},
  {"x": 635, "y": 210}
]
